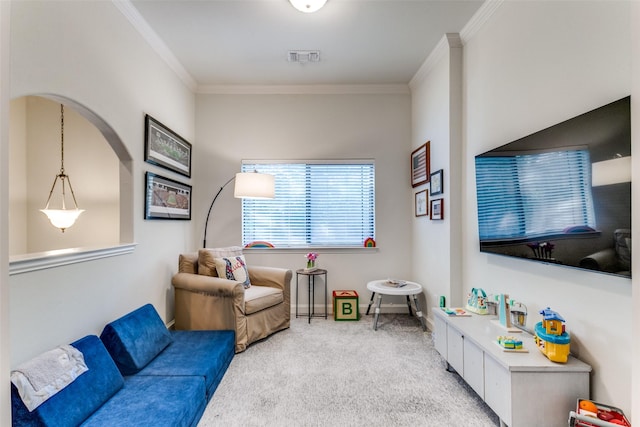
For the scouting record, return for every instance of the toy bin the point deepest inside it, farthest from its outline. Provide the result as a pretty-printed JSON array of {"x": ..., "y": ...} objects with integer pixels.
[{"x": 592, "y": 414}]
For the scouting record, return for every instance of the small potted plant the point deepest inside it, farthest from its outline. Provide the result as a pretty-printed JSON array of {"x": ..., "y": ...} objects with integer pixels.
[{"x": 311, "y": 261}]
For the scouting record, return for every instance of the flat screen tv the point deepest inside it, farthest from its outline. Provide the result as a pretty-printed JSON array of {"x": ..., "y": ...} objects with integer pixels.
[{"x": 562, "y": 195}]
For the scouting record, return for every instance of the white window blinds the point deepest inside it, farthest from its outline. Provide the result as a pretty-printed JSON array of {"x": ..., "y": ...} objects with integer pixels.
[
  {"x": 316, "y": 204},
  {"x": 533, "y": 195}
]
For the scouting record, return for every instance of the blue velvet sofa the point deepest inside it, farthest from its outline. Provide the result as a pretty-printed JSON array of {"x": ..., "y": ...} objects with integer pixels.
[{"x": 139, "y": 374}]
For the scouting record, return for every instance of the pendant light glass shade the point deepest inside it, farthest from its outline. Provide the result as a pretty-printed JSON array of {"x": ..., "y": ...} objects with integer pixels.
[
  {"x": 62, "y": 218},
  {"x": 308, "y": 6}
]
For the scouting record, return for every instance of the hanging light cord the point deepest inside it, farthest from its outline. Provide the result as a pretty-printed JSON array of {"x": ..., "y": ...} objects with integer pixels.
[{"x": 62, "y": 175}]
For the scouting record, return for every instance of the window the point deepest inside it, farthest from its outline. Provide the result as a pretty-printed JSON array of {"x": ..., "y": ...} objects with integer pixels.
[
  {"x": 533, "y": 195},
  {"x": 319, "y": 203}
]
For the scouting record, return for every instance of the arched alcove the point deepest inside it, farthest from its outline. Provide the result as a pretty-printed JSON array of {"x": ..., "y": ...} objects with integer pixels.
[{"x": 100, "y": 168}]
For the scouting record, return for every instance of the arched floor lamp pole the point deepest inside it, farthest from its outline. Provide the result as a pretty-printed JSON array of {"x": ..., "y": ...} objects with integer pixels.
[{"x": 249, "y": 185}]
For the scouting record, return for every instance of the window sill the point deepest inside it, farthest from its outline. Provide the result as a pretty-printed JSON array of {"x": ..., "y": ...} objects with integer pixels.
[{"x": 19, "y": 264}]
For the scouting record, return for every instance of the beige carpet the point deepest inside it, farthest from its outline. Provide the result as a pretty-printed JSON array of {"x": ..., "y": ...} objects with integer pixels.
[{"x": 330, "y": 373}]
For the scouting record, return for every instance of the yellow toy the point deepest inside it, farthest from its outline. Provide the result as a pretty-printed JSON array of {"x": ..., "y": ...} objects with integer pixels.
[{"x": 551, "y": 338}]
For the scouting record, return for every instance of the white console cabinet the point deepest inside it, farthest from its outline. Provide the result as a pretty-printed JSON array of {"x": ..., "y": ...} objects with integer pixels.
[{"x": 523, "y": 389}]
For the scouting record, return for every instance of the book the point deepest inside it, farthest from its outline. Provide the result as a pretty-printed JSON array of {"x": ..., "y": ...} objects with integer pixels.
[
  {"x": 455, "y": 311},
  {"x": 395, "y": 283}
]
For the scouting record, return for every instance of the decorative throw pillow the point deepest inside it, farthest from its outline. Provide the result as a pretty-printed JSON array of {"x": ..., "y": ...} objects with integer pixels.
[
  {"x": 233, "y": 268},
  {"x": 207, "y": 256}
]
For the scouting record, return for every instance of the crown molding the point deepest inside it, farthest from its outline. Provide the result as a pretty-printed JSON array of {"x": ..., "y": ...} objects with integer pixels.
[
  {"x": 142, "y": 26},
  {"x": 454, "y": 40},
  {"x": 479, "y": 19},
  {"x": 382, "y": 89}
]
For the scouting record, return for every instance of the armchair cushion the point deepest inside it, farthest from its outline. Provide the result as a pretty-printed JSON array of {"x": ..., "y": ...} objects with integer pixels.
[
  {"x": 260, "y": 297},
  {"x": 233, "y": 268},
  {"x": 207, "y": 256}
]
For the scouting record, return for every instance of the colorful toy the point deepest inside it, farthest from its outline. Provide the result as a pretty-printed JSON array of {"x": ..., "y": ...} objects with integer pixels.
[
  {"x": 345, "y": 305},
  {"x": 477, "y": 301},
  {"x": 509, "y": 342},
  {"x": 588, "y": 412},
  {"x": 551, "y": 338}
]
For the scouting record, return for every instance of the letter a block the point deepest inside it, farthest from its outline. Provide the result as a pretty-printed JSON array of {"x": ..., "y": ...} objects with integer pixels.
[{"x": 345, "y": 305}]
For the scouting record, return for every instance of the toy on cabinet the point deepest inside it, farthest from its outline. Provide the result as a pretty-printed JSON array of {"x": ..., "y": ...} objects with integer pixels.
[
  {"x": 551, "y": 338},
  {"x": 477, "y": 301}
]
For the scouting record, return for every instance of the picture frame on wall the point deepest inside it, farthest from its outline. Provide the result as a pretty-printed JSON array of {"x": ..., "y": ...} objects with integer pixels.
[
  {"x": 435, "y": 183},
  {"x": 165, "y": 148},
  {"x": 166, "y": 199},
  {"x": 421, "y": 206},
  {"x": 437, "y": 209},
  {"x": 420, "y": 169}
]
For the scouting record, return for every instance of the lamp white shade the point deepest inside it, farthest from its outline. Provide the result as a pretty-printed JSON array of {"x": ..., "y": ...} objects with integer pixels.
[
  {"x": 614, "y": 171},
  {"x": 62, "y": 218},
  {"x": 308, "y": 6},
  {"x": 254, "y": 185}
]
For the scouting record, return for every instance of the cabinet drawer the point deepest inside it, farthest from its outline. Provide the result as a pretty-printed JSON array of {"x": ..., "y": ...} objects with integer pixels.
[
  {"x": 455, "y": 349},
  {"x": 497, "y": 388},
  {"x": 474, "y": 366}
]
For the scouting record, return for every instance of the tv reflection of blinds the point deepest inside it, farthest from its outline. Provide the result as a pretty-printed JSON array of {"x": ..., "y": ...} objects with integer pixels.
[{"x": 532, "y": 195}]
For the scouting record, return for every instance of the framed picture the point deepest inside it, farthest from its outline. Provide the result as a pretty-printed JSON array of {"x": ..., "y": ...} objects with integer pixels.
[
  {"x": 437, "y": 209},
  {"x": 421, "y": 203},
  {"x": 420, "y": 165},
  {"x": 165, "y": 198},
  {"x": 436, "y": 183},
  {"x": 165, "y": 148}
]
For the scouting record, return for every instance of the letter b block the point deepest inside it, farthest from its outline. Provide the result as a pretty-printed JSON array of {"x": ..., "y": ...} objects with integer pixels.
[{"x": 345, "y": 305}]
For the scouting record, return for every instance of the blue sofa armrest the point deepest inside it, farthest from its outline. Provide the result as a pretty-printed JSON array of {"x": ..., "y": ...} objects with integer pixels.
[{"x": 76, "y": 402}]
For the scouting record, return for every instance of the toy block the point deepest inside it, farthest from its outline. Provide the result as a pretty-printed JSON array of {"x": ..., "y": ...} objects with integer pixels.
[{"x": 345, "y": 305}]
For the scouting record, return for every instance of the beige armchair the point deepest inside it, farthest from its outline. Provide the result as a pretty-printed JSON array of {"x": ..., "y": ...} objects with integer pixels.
[{"x": 205, "y": 301}]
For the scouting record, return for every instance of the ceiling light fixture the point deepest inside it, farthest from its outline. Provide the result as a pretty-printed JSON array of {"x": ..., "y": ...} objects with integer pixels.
[
  {"x": 62, "y": 218},
  {"x": 308, "y": 6}
]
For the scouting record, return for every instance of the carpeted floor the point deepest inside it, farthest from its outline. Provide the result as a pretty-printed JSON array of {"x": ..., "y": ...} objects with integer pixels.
[{"x": 330, "y": 373}]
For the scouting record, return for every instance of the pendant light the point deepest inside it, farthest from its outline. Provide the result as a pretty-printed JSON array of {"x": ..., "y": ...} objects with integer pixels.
[
  {"x": 308, "y": 6},
  {"x": 62, "y": 218}
]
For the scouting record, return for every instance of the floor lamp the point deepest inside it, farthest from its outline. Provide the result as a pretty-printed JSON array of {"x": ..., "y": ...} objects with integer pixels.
[{"x": 249, "y": 185}]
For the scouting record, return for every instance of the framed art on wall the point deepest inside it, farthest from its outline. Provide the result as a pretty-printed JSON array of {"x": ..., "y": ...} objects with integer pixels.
[
  {"x": 436, "y": 183},
  {"x": 437, "y": 209},
  {"x": 165, "y": 148},
  {"x": 421, "y": 203},
  {"x": 420, "y": 165},
  {"x": 165, "y": 198}
]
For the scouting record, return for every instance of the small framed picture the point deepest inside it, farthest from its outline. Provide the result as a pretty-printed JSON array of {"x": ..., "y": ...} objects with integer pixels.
[
  {"x": 420, "y": 165},
  {"x": 165, "y": 148},
  {"x": 166, "y": 199},
  {"x": 436, "y": 183},
  {"x": 437, "y": 209},
  {"x": 422, "y": 208}
]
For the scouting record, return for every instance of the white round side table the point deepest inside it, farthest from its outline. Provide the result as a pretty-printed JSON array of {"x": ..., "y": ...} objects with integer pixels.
[{"x": 399, "y": 287}]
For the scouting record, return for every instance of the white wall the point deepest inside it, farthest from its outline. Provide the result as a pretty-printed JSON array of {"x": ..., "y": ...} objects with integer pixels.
[
  {"x": 436, "y": 117},
  {"x": 90, "y": 53},
  {"x": 300, "y": 126},
  {"x": 532, "y": 65},
  {"x": 18, "y": 177}
]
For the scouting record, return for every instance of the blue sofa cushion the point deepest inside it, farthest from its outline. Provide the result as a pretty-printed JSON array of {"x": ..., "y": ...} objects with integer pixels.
[
  {"x": 205, "y": 354},
  {"x": 153, "y": 401},
  {"x": 136, "y": 339},
  {"x": 77, "y": 401}
]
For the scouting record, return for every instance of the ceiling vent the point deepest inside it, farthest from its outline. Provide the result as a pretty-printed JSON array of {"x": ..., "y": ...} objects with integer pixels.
[{"x": 303, "y": 56}]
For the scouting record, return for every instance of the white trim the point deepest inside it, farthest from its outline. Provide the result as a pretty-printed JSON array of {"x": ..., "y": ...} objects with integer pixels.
[
  {"x": 479, "y": 19},
  {"x": 19, "y": 264},
  {"x": 381, "y": 89},
  {"x": 157, "y": 44},
  {"x": 455, "y": 40}
]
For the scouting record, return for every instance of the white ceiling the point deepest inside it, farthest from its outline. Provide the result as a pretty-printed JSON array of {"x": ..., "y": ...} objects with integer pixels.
[{"x": 245, "y": 42}]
